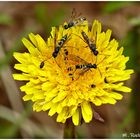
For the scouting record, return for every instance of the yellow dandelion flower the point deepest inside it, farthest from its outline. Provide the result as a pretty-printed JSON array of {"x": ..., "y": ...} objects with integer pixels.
[{"x": 88, "y": 68}]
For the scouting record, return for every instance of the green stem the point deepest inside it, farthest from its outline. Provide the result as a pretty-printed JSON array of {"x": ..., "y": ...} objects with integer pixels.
[{"x": 69, "y": 129}]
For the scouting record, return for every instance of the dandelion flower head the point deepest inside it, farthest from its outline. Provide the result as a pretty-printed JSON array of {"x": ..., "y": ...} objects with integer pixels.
[{"x": 59, "y": 86}]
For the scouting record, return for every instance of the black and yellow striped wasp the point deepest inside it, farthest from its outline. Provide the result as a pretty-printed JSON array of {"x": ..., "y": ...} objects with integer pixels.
[{"x": 75, "y": 20}]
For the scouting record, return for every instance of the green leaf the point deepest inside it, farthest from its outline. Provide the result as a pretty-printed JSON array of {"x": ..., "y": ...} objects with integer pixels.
[
  {"x": 131, "y": 46},
  {"x": 129, "y": 50},
  {"x": 8, "y": 130},
  {"x": 6, "y": 19},
  {"x": 111, "y": 7}
]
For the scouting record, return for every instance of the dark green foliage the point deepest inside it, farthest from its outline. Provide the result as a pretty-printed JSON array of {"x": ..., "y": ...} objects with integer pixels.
[
  {"x": 111, "y": 7},
  {"x": 131, "y": 45}
]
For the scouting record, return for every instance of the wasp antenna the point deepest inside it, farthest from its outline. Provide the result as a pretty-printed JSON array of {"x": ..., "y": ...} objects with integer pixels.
[
  {"x": 101, "y": 61},
  {"x": 68, "y": 38},
  {"x": 58, "y": 65},
  {"x": 55, "y": 39},
  {"x": 104, "y": 54},
  {"x": 100, "y": 72},
  {"x": 79, "y": 14},
  {"x": 68, "y": 35},
  {"x": 96, "y": 60},
  {"x": 79, "y": 36},
  {"x": 73, "y": 13}
]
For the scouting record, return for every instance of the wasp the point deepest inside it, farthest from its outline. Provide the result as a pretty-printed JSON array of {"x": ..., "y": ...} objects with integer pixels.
[
  {"x": 60, "y": 45},
  {"x": 80, "y": 67},
  {"x": 90, "y": 44},
  {"x": 84, "y": 65},
  {"x": 71, "y": 69},
  {"x": 88, "y": 66},
  {"x": 76, "y": 21},
  {"x": 57, "y": 47}
]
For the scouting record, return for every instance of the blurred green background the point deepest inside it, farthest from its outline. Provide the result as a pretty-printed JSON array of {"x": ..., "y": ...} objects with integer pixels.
[{"x": 18, "y": 19}]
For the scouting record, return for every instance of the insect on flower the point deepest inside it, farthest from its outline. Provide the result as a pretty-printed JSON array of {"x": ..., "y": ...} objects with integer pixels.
[
  {"x": 67, "y": 79},
  {"x": 75, "y": 20},
  {"x": 83, "y": 65},
  {"x": 90, "y": 44},
  {"x": 57, "y": 47},
  {"x": 79, "y": 64},
  {"x": 88, "y": 66}
]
